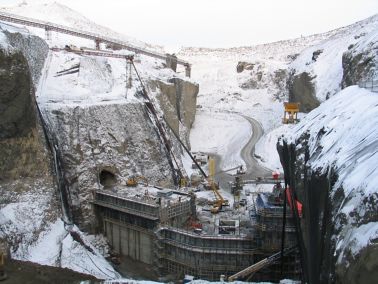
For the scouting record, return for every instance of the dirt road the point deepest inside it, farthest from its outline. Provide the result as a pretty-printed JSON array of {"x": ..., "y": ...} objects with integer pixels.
[{"x": 254, "y": 169}]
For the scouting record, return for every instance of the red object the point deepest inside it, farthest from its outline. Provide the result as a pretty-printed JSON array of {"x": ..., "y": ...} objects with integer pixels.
[
  {"x": 298, "y": 204},
  {"x": 275, "y": 175}
]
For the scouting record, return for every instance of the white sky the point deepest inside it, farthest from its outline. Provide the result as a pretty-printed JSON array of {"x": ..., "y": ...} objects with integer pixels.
[{"x": 219, "y": 23}]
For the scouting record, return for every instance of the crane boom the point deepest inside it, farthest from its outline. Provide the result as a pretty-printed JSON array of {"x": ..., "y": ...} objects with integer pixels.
[{"x": 260, "y": 265}]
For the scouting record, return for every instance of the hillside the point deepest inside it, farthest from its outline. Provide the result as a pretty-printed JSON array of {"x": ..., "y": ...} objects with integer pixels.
[
  {"x": 57, "y": 13},
  {"x": 330, "y": 159}
]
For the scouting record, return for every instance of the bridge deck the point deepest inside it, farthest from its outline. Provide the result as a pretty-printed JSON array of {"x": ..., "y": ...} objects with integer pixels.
[{"x": 7, "y": 17}]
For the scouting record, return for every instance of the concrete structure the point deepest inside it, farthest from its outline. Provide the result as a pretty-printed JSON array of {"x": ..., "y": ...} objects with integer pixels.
[
  {"x": 147, "y": 224},
  {"x": 129, "y": 221}
]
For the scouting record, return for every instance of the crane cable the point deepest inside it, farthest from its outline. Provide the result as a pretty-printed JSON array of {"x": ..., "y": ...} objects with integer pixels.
[{"x": 163, "y": 136}]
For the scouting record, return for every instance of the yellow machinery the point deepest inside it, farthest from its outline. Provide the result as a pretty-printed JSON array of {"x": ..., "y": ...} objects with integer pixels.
[
  {"x": 219, "y": 200},
  {"x": 291, "y": 113},
  {"x": 134, "y": 181}
]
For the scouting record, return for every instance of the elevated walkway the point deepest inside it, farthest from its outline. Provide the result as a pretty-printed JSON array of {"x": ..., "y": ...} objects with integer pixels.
[{"x": 97, "y": 38}]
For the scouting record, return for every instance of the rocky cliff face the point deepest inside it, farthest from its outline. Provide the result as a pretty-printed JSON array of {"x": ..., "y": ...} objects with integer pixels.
[
  {"x": 178, "y": 99},
  {"x": 22, "y": 150},
  {"x": 264, "y": 75},
  {"x": 102, "y": 146},
  {"x": 329, "y": 161},
  {"x": 360, "y": 61},
  {"x": 102, "y": 128},
  {"x": 345, "y": 58},
  {"x": 301, "y": 89},
  {"x": 25, "y": 164}
]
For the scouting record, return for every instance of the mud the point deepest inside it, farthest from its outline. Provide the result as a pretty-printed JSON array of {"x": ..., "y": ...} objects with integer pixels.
[{"x": 31, "y": 273}]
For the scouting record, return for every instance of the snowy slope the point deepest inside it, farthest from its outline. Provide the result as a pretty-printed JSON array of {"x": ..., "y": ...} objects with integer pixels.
[
  {"x": 221, "y": 87},
  {"x": 327, "y": 69},
  {"x": 28, "y": 220},
  {"x": 343, "y": 134}
]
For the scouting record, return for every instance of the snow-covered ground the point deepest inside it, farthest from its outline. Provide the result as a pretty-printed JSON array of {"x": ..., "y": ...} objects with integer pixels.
[
  {"x": 219, "y": 127},
  {"x": 220, "y": 84},
  {"x": 29, "y": 220},
  {"x": 221, "y": 133}
]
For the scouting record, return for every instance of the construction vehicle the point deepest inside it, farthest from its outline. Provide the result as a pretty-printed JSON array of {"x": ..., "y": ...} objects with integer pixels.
[
  {"x": 239, "y": 170},
  {"x": 200, "y": 158},
  {"x": 134, "y": 181},
  {"x": 291, "y": 113}
]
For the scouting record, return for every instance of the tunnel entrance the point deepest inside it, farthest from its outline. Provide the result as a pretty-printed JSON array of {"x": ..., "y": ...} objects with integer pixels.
[{"x": 107, "y": 178}]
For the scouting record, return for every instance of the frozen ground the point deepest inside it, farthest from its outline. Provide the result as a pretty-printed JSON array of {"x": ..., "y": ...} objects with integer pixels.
[{"x": 220, "y": 133}]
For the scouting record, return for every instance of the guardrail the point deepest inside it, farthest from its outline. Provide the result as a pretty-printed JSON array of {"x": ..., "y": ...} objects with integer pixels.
[{"x": 371, "y": 85}]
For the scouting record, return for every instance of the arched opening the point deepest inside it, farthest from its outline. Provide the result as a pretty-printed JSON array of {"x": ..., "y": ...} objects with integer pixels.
[{"x": 107, "y": 178}]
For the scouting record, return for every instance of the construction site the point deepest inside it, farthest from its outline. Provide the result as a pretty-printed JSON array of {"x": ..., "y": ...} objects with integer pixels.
[
  {"x": 181, "y": 232},
  {"x": 209, "y": 225}
]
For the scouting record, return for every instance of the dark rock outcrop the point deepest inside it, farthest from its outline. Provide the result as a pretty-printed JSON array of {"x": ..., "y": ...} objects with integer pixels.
[
  {"x": 22, "y": 145},
  {"x": 359, "y": 64},
  {"x": 26, "y": 177},
  {"x": 178, "y": 99},
  {"x": 302, "y": 90},
  {"x": 242, "y": 65},
  {"x": 331, "y": 169}
]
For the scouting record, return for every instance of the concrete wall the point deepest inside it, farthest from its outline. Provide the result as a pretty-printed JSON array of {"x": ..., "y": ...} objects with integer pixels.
[{"x": 129, "y": 241}]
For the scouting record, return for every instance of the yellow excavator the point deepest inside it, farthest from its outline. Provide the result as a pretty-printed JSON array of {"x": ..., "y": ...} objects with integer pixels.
[
  {"x": 134, "y": 181},
  {"x": 219, "y": 201}
]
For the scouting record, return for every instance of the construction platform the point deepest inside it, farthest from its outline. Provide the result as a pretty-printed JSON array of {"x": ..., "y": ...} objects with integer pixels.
[{"x": 169, "y": 230}]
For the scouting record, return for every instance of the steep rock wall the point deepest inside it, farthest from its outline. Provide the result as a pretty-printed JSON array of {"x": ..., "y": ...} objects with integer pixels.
[
  {"x": 329, "y": 162},
  {"x": 302, "y": 90},
  {"x": 264, "y": 75},
  {"x": 178, "y": 99},
  {"x": 104, "y": 145},
  {"x": 28, "y": 197},
  {"x": 360, "y": 62}
]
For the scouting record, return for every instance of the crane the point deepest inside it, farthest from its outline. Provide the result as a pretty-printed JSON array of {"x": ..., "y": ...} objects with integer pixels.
[
  {"x": 219, "y": 201},
  {"x": 261, "y": 264}
]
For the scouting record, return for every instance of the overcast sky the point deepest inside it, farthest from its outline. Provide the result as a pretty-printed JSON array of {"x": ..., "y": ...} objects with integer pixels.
[{"x": 220, "y": 23}]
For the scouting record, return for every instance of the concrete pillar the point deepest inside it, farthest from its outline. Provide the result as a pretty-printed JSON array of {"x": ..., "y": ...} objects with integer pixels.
[
  {"x": 188, "y": 70},
  {"x": 48, "y": 34},
  {"x": 97, "y": 42},
  {"x": 171, "y": 61}
]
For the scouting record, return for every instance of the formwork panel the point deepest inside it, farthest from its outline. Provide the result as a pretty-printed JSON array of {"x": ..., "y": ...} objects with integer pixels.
[
  {"x": 133, "y": 244},
  {"x": 109, "y": 231},
  {"x": 146, "y": 248},
  {"x": 116, "y": 239},
  {"x": 124, "y": 241}
]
